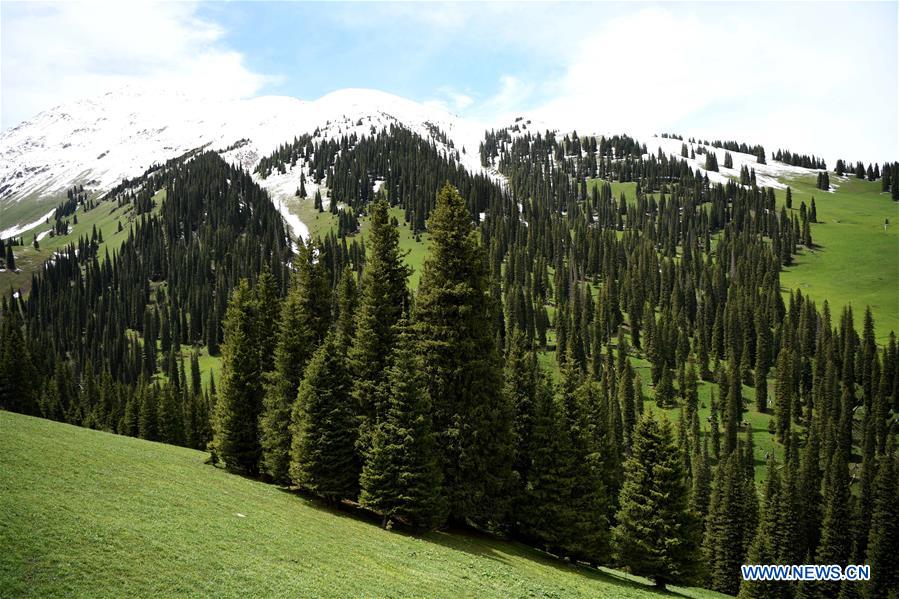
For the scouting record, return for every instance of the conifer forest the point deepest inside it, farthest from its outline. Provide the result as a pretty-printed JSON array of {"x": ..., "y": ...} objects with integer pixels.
[{"x": 616, "y": 353}]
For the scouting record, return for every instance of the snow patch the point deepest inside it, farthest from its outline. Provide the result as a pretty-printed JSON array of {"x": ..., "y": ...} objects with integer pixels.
[
  {"x": 19, "y": 229},
  {"x": 299, "y": 228}
]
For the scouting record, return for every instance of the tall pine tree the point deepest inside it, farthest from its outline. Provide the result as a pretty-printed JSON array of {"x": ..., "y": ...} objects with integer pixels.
[
  {"x": 323, "y": 426},
  {"x": 461, "y": 365},
  {"x": 657, "y": 535},
  {"x": 401, "y": 477},
  {"x": 236, "y": 437}
]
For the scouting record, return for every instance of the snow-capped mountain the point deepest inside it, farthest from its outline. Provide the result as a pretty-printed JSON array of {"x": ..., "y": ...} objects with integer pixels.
[{"x": 99, "y": 141}]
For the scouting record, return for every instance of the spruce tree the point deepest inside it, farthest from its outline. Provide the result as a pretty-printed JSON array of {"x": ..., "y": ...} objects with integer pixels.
[
  {"x": 461, "y": 365},
  {"x": 664, "y": 393},
  {"x": 17, "y": 373},
  {"x": 836, "y": 527},
  {"x": 626, "y": 400},
  {"x": 268, "y": 313},
  {"x": 347, "y": 302},
  {"x": 884, "y": 535},
  {"x": 763, "y": 549},
  {"x": 303, "y": 316},
  {"x": 236, "y": 438},
  {"x": 588, "y": 525},
  {"x": 702, "y": 483},
  {"x": 657, "y": 534},
  {"x": 401, "y": 477},
  {"x": 809, "y": 495},
  {"x": 733, "y": 408},
  {"x": 521, "y": 378},
  {"x": 728, "y": 526},
  {"x": 146, "y": 423},
  {"x": 324, "y": 428},
  {"x": 546, "y": 515},
  {"x": 383, "y": 300}
]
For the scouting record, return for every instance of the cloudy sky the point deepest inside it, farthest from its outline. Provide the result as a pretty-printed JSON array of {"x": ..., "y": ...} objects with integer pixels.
[{"x": 817, "y": 78}]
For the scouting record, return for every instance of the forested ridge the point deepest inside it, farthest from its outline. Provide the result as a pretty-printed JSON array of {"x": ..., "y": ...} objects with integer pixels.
[{"x": 430, "y": 405}]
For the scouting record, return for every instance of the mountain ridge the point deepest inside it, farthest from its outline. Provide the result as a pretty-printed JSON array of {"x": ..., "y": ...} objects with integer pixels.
[{"x": 101, "y": 140}]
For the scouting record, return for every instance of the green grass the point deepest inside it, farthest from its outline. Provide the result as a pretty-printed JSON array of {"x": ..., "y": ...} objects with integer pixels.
[
  {"x": 105, "y": 216},
  {"x": 856, "y": 258},
  {"x": 629, "y": 189},
  {"x": 322, "y": 223},
  {"x": 28, "y": 209},
  {"x": 90, "y": 514}
]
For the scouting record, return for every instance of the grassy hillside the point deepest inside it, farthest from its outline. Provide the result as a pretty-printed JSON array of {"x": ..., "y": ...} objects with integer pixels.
[
  {"x": 106, "y": 217},
  {"x": 856, "y": 260},
  {"x": 85, "y": 513},
  {"x": 322, "y": 223}
]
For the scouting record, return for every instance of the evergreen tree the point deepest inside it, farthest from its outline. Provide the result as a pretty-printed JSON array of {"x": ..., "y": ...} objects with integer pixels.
[
  {"x": 347, "y": 303},
  {"x": 236, "y": 437},
  {"x": 383, "y": 300},
  {"x": 626, "y": 400},
  {"x": 702, "y": 483},
  {"x": 401, "y": 477},
  {"x": 763, "y": 549},
  {"x": 586, "y": 527},
  {"x": 10, "y": 258},
  {"x": 17, "y": 372},
  {"x": 809, "y": 496},
  {"x": 471, "y": 417},
  {"x": 301, "y": 326},
  {"x": 268, "y": 313},
  {"x": 884, "y": 535},
  {"x": 146, "y": 424},
  {"x": 836, "y": 527},
  {"x": 323, "y": 426},
  {"x": 657, "y": 534},
  {"x": 733, "y": 409},
  {"x": 545, "y": 514},
  {"x": 521, "y": 379},
  {"x": 665, "y": 393},
  {"x": 729, "y": 527}
]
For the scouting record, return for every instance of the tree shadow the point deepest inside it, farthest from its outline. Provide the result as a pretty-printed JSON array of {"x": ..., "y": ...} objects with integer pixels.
[{"x": 482, "y": 544}]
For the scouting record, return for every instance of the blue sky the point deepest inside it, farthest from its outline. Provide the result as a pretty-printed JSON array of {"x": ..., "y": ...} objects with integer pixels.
[{"x": 813, "y": 77}]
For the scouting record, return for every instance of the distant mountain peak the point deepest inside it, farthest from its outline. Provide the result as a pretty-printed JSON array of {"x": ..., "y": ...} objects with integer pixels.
[{"x": 120, "y": 133}]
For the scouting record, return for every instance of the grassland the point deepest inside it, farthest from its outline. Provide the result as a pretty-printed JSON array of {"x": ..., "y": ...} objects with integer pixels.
[
  {"x": 629, "y": 189},
  {"x": 90, "y": 514},
  {"x": 322, "y": 223},
  {"x": 105, "y": 216},
  {"x": 856, "y": 258}
]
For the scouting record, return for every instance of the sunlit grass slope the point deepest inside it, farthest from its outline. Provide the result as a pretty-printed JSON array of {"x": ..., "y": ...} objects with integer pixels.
[{"x": 90, "y": 514}]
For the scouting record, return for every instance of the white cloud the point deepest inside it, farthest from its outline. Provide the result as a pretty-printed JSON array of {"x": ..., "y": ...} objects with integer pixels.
[
  {"x": 653, "y": 69},
  {"x": 790, "y": 78},
  {"x": 450, "y": 100},
  {"x": 54, "y": 53},
  {"x": 514, "y": 93}
]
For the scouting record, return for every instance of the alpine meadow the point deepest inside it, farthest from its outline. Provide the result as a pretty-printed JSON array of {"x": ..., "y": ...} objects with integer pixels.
[{"x": 480, "y": 343}]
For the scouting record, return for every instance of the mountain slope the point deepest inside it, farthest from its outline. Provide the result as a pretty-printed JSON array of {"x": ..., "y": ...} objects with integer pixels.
[
  {"x": 86, "y": 513},
  {"x": 99, "y": 141}
]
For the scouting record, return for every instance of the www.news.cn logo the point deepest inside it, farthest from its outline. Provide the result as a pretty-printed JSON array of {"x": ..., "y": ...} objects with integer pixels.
[{"x": 789, "y": 573}]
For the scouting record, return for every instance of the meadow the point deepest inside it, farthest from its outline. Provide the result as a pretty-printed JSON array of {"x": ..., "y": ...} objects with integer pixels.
[
  {"x": 855, "y": 260},
  {"x": 85, "y": 513}
]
